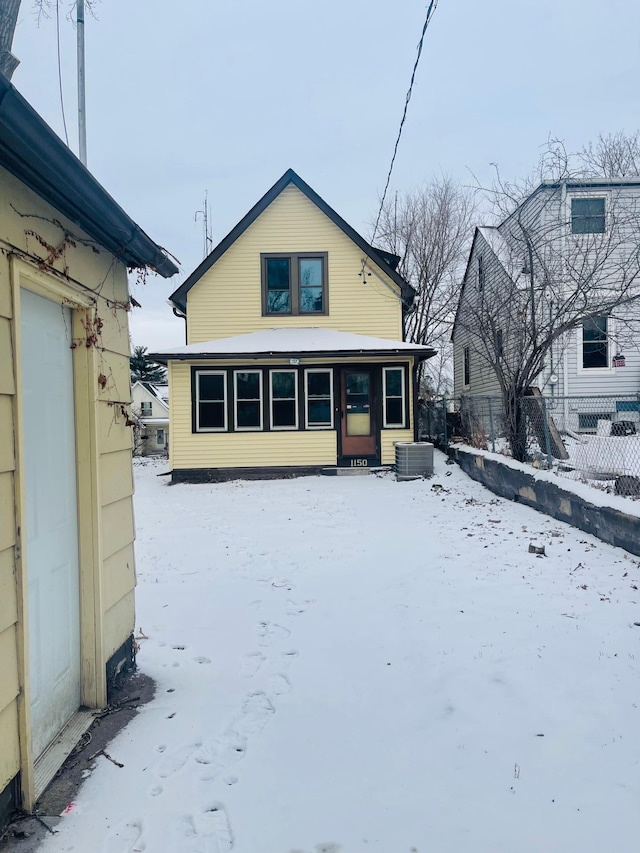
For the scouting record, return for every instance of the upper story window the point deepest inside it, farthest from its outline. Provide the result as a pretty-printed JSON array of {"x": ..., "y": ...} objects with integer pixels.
[
  {"x": 146, "y": 408},
  {"x": 294, "y": 283},
  {"x": 480, "y": 274},
  {"x": 595, "y": 343},
  {"x": 587, "y": 216},
  {"x": 466, "y": 367}
]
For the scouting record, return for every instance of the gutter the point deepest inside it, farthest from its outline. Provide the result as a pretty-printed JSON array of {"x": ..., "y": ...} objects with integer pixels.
[
  {"x": 31, "y": 151},
  {"x": 164, "y": 358}
]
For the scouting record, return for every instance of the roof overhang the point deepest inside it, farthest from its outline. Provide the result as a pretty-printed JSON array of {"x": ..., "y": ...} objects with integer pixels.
[
  {"x": 31, "y": 151},
  {"x": 420, "y": 353}
]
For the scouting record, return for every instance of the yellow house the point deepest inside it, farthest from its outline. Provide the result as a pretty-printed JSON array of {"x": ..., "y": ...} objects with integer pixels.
[
  {"x": 67, "y": 571},
  {"x": 295, "y": 360}
]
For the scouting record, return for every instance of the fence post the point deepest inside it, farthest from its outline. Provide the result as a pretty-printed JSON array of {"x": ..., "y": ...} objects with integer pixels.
[
  {"x": 444, "y": 423},
  {"x": 547, "y": 437},
  {"x": 492, "y": 433}
]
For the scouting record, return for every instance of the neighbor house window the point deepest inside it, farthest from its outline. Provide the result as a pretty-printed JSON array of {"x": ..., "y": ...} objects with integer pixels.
[
  {"x": 587, "y": 216},
  {"x": 284, "y": 399},
  {"x": 211, "y": 400},
  {"x": 480, "y": 274},
  {"x": 146, "y": 409},
  {"x": 595, "y": 343},
  {"x": 160, "y": 437},
  {"x": 466, "y": 367},
  {"x": 318, "y": 398},
  {"x": 294, "y": 283},
  {"x": 499, "y": 343},
  {"x": 394, "y": 396},
  {"x": 248, "y": 399}
]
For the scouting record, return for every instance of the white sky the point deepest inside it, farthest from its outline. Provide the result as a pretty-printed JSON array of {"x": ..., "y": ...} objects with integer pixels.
[{"x": 225, "y": 96}]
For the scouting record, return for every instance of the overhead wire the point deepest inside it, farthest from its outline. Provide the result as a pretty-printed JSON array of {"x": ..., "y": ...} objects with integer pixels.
[
  {"x": 430, "y": 10},
  {"x": 64, "y": 121}
]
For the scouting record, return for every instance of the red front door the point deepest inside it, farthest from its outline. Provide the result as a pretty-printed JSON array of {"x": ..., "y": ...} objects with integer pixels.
[{"x": 358, "y": 416}]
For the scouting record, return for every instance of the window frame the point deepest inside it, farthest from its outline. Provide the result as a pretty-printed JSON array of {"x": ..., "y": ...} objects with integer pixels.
[
  {"x": 259, "y": 400},
  {"x": 481, "y": 274},
  {"x": 196, "y": 399},
  {"x": 324, "y": 426},
  {"x": 294, "y": 259},
  {"x": 296, "y": 398},
  {"x": 466, "y": 367},
  {"x": 403, "y": 397},
  {"x": 595, "y": 371},
  {"x": 146, "y": 409},
  {"x": 164, "y": 437},
  {"x": 595, "y": 197}
]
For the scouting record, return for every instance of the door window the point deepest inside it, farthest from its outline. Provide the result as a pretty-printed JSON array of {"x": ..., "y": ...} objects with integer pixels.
[{"x": 358, "y": 403}]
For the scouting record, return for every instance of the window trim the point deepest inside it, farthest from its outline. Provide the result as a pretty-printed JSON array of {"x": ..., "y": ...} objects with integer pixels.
[
  {"x": 589, "y": 197},
  {"x": 307, "y": 425},
  {"x": 403, "y": 397},
  {"x": 146, "y": 409},
  {"x": 294, "y": 281},
  {"x": 196, "y": 396},
  {"x": 595, "y": 371},
  {"x": 260, "y": 400},
  {"x": 296, "y": 398}
]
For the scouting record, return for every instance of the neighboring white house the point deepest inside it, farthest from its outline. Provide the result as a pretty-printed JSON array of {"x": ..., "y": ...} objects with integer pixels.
[
  {"x": 561, "y": 232},
  {"x": 150, "y": 405}
]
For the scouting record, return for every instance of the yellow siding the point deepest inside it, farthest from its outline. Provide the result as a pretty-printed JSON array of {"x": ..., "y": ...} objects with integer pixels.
[
  {"x": 104, "y": 441},
  {"x": 8, "y": 598},
  {"x": 117, "y": 523},
  {"x": 227, "y": 299},
  {"x": 9, "y": 687},
  {"x": 116, "y": 476},
  {"x": 388, "y": 438},
  {"x": 7, "y": 459},
  {"x": 7, "y": 516},
  {"x": 119, "y": 622},
  {"x": 9, "y": 744},
  {"x": 119, "y": 576}
]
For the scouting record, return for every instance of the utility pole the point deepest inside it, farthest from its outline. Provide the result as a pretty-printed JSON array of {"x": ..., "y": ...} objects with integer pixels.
[
  {"x": 205, "y": 213},
  {"x": 82, "y": 116}
]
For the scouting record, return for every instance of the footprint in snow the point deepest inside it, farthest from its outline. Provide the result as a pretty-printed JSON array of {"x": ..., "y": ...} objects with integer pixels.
[
  {"x": 256, "y": 712},
  {"x": 295, "y": 608},
  {"x": 252, "y": 663},
  {"x": 271, "y": 631},
  {"x": 202, "y": 660},
  {"x": 126, "y": 838},
  {"x": 208, "y": 832},
  {"x": 279, "y": 684},
  {"x": 221, "y": 753},
  {"x": 176, "y": 760},
  {"x": 156, "y": 791}
]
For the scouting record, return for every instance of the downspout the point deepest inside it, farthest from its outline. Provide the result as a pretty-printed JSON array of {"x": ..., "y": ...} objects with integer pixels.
[{"x": 563, "y": 253}]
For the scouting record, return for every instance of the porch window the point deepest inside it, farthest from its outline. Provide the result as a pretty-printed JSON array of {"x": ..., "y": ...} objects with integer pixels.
[
  {"x": 284, "y": 399},
  {"x": 595, "y": 343},
  {"x": 318, "y": 398},
  {"x": 294, "y": 283},
  {"x": 394, "y": 397},
  {"x": 211, "y": 401},
  {"x": 248, "y": 399}
]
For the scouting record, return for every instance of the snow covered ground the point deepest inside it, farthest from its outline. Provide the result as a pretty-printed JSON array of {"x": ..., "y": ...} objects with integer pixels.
[{"x": 355, "y": 665}]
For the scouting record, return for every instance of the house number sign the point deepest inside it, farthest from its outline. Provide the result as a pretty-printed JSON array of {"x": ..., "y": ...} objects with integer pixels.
[{"x": 359, "y": 463}]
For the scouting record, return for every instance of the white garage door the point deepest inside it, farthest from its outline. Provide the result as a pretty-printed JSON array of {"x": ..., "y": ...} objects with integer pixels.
[{"x": 51, "y": 516}]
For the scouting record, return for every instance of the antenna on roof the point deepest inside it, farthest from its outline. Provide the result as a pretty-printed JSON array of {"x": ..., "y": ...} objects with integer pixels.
[{"x": 205, "y": 213}]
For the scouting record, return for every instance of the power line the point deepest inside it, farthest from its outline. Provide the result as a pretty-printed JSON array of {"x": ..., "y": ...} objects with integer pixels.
[
  {"x": 430, "y": 11},
  {"x": 64, "y": 121}
]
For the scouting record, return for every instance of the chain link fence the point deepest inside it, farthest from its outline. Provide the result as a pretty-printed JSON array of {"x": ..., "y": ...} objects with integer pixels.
[{"x": 594, "y": 439}]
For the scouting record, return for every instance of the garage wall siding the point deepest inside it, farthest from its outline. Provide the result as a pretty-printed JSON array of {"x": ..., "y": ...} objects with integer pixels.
[{"x": 84, "y": 268}]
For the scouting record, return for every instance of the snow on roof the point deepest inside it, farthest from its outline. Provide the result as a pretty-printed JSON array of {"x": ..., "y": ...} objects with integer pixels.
[
  {"x": 501, "y": 248},
  {"x": 294, "y": 340}
]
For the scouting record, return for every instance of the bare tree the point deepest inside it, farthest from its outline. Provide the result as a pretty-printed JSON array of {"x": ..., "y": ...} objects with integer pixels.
[
  {"x": 614, "y": 156},
  {"x": 430, "y": 230},
  {"x": 8, "y": 17},
  {"x": 548, "y": 273}
]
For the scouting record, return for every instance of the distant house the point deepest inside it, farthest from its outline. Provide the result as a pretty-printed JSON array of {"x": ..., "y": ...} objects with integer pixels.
[
  {"x": 599, "y": 357},
  {"x": 67, "y": 571},
  {"x": 150, "y": 405},
  {"x": 295, "y": 358}
]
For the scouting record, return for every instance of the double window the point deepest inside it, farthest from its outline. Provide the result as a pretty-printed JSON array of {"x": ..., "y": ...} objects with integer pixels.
[
  {"x": 588, "y": 216},
  {"x": 294, "y": 283}
]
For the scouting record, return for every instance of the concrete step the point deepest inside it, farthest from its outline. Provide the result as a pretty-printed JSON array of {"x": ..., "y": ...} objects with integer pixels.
[{"x": 354, "y": 472}]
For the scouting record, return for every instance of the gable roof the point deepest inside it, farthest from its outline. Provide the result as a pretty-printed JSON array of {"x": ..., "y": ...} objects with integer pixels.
[
  {"x": 386, "y": 261},
  {"x": 153, "y": 391},
  {"x": 293, "y": 342},
  {"x": 31, "y": 151}
]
